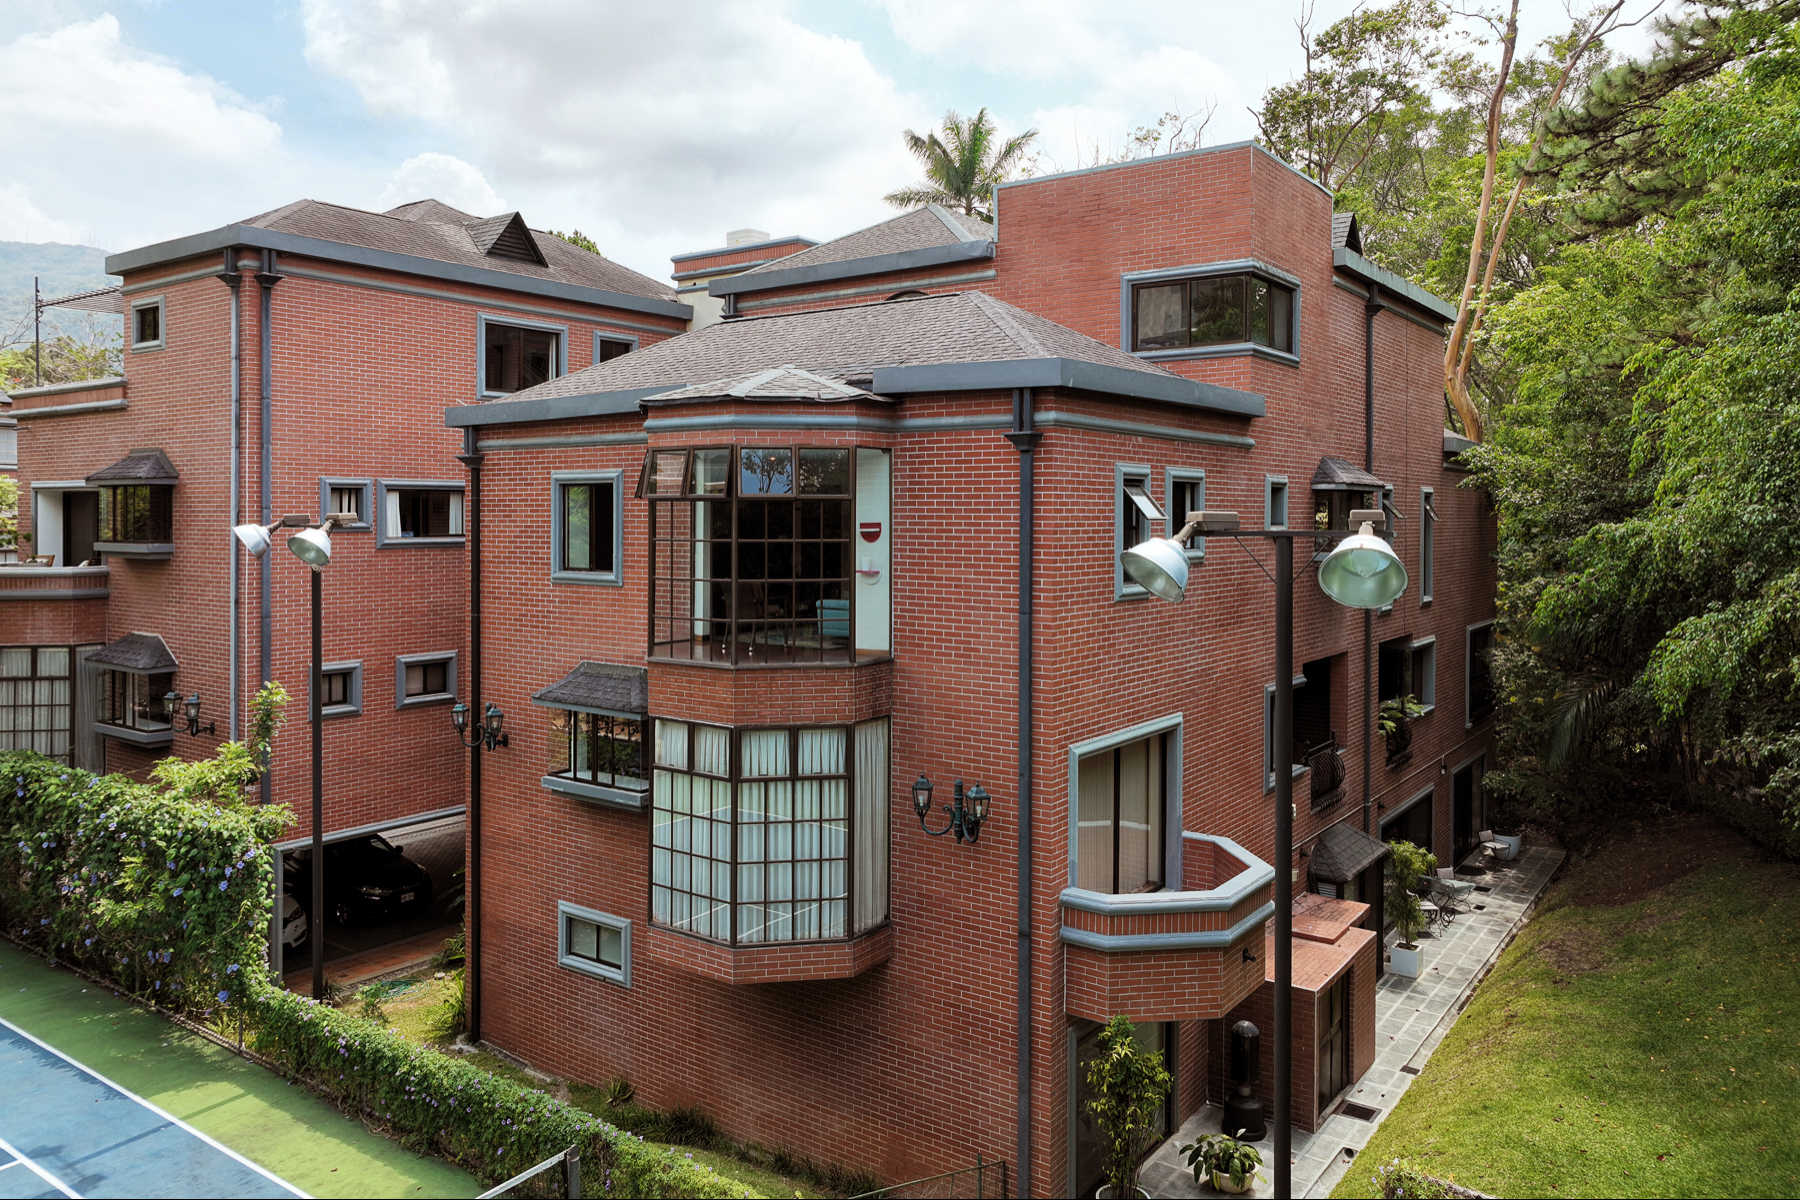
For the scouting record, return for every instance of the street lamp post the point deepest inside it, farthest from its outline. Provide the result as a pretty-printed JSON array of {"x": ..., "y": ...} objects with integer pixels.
[
  {"x": 312, "y": 546},
  {"x": 1361, "y": 572}
]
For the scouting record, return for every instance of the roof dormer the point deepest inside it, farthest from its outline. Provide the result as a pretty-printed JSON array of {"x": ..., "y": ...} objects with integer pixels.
[{"x": 506, "y": 236}]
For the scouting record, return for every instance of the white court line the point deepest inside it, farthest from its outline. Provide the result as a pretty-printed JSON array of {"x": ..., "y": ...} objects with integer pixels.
[
  {"x": 167, "y": 1116},
  {"x": 42, "y": 1174}
]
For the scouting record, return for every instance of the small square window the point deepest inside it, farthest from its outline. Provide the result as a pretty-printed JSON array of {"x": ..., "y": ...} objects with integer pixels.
[
  {"x": 147, "y": 324},
  {"x": 1187, "y": 494},
  {"x": 424, "y": 679},
  {"x": 594, "y": 943},
  {"x": 1137, "y": 513},
  {"x": 342, "y": 694},
  {"x": 1275, "y": 501},
  {"x": 347, "y": 496},
  {"x": 607, "y": 349}
]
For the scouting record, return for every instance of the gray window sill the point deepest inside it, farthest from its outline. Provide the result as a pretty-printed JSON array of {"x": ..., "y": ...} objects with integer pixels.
[
  {"x": 139, "y": 347},
  {"x": 423, "y": 541},
  {"x": 138, "y": 737},
  {"x": 591, "y": 578},
  {"x": 422, "y": 701},
  {"x": 598, "y": 793},
  {"x": 144, "y": 550},
  {"x": 597, "y": 970},
  {"x": 1224, "y": 350},
  {"x": 333, "y": 711}
]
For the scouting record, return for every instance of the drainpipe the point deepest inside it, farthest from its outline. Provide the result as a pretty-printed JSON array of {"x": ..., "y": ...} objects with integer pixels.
[
  {"x": 267, "y": 277},
  {"x": 231, "y": 279},
  {"x": 1024, "y": 438},
  {"x": 1370, "y": 308},
  {"x": 472, "y": 459}
]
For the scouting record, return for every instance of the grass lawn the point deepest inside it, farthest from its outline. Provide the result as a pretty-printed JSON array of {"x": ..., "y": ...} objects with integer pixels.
[{"x": 1640, "y": 1038}]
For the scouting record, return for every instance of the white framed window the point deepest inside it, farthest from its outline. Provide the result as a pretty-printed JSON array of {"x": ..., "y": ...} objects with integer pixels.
[
  {"x": 1424, "y": 672},
  {"x": 514, "y": 354},
  {"x": 424, "y": 679},
  {"x": 1275, "y": 501},
  {"x": 593, "y": 943},
  {"x": 419, "y": 512},
  {"x": 1187, "y": 493},
  {"x": 587, "y": 527},
  {"x": 348, "y": 496},
  {"x": 1136, "y": 521},
  {"x": 147, "y": 326},
  {"x": 1427, "y": 542},
  {"x": 342, "y": 693}
]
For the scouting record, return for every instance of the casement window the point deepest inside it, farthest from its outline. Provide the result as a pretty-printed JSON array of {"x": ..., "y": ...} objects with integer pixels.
[
  {"x": 342, "y": 694},
  {"x": 753, "y": 554},
  {"x": 518, "y": 356},
  {"x": 1214, "y": 310},
  {"x": 1478, "y": 674},
  {"x": 147, "y": 323},
  {"x": 134, "y": 701},
  {"x": 420, "y": 512},
  {"x": 1427, "y": 543},
  {"x": 594, "y": 943},
  {"x": 608, "y": 348},
  {"x": 597, "y": 748},
  {"x": 1136, "y": 522},
  {"x": 769, "y": 835},
  {"x": 1424, "y": 672},
  {"x": 424, "y": 679},
  {"x": 1275, "y": 501},
  {"x": 137, "y": 514},
  {"x": 586, "y": 527},
  {"x": 348, "y": 496},
  {"x": 1122, "y": 817},
  {"x": 1187, "y": 494},
  {"x": 36, "y": 686}
]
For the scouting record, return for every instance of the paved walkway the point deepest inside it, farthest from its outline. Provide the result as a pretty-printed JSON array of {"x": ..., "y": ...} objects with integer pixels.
[
  {"x": 354, "y": 970},
  {"x": 1411, "y": 1018}
]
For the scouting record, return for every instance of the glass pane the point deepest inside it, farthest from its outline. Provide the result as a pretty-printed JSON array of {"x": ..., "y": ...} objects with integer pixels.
[
  {"x": 765, "y": 471},
  {"x": 1218, "y": 310},
  {"x": 577, "y": 527},
  {"x": 825, "y": 472},
  {"x": 1161, "y": 317},
  {"x": 712, "y": 750},
  {"x": 711, "y": 468},
  {"x": 584, "y": 939},
  {"x": 822, "y": 751},
  {"x": 666, "y": 471},
  {"x": 1259, "y": 311},
  {"x": 1094, "y": 869},
  {"x": 1140, "y": 826},
  {"x": 612, "y": 946},
  {"x": 765, "y": 752},
  {"x": 15, "y": 662},
  {"x": 671, "y": 744},
  {"x": 1281, "y": 318}
]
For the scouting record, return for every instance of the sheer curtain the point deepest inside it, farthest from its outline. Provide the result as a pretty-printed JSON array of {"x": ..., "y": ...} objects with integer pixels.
[{"x": 871, "y": 824}]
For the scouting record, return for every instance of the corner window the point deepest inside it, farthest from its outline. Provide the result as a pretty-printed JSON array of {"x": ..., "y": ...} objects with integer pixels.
[
  {"x": 1137, "y": 514},
  {"x": 608, "y": 348},
  {"x": 147, "y": 324},
  {"x": 586, "y": 527},
  {"x": 424, "y": 679},
  {"x": 1478, "y": 673},
  {"x": 1275, "y": 501},
  {"x": 347, "y": 496},
  {"x": 1121, "y": 819},
  {"x": 1215, "y": 310},
  {"x": 518, "y": 356},
  {"x": 342, "y": 694},
  {"x": 594, "y": 943},
  {"x": 1187, "y": 494},
  {"x": 137, "y": 515},
  {"x": 598, "y": 748},
  {"x": 1427, "y": 543},
  {"x": 129, "y": 700},
  {"x": 420, "y": 512}
]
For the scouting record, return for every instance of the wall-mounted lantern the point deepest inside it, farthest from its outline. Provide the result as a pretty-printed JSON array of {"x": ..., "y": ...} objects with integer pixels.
[
  {"x": 966, "y": 815},
  {"x": 190, "y": 710},
  {"x": 489, "y": 732}
]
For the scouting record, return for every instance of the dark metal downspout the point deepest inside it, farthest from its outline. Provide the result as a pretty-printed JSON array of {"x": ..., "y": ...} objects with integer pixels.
[
  {"x": 1024, "y": 438},
  {"x": 268, "y": 277},
  {"x": 1370, "y": 308},
  {"x": 472, "y": 459}
]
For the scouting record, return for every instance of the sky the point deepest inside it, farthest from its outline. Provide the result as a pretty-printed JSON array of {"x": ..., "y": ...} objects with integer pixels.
[{"x": 652, "y": 127}]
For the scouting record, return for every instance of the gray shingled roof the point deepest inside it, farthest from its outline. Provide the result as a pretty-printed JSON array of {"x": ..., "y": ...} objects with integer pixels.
[
  {"x": 600, "y": 687},
  {"x": 1334, "y": 474},
  {"x": 140, "y": 466},
  {"x": 777, "y": 383},
  {"x": 145, "y": 653},
  {"x": 1344, "y": 232},
  {"x": 427, "y": 229},
  {"x": 916, "y": 230},
  {"x": 844, "y": 344},
  {"x": 1342, "y": 852}
]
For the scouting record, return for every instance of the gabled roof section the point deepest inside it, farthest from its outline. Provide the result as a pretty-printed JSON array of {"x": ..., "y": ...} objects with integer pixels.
[
  {"x": 1341, "y": 853},
  {"x": 431, "y": 210},
  {"x": 1334, "y": 474},
  {"x": 506, "y": 236},
  {"x": 140, "y": 653},
  {"x": 924, "y": 237},
  {"x": 1344, "y": 232},
  {"x": 957, "y": 341},
  {"x": 140, "y": 466},
  {"x": 600, "y": 688},
  {"x": 777, "y": 383}
]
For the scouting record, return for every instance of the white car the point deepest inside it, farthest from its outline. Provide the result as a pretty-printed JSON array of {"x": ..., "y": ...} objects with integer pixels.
[{"x": 293, "y": 922}]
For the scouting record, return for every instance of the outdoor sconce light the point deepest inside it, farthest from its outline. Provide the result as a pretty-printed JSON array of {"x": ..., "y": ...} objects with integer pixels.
[
  {"x": 965, "y": 820},
  {"x": 488, "y": 733},
  {"x": 312, "y": 545},
  {"x": 190, "y": 712}
]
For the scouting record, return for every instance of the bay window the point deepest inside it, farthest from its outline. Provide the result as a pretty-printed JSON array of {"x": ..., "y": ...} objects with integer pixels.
[
  {"x": 1213, "y": 310},
  {"x": 1120, "y": 819}
]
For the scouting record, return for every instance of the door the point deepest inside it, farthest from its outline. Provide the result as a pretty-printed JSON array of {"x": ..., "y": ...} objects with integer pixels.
[
  {"x": 1463, "y": 803},
  {"x": 81, "y": 527},
  {"x": 1089, "y": 1145},
  {"x": 1334, "y": 1042}
]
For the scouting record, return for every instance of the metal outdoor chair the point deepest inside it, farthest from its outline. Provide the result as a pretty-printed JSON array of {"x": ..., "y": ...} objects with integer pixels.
[{"x": 1449, "y": 893}]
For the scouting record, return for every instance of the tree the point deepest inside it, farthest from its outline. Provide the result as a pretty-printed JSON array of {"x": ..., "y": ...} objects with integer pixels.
[
  {"x": 963, "y": 166},
  {"x": 1130, "y": 1085},
  {"x": 578, "y": 239},
  {"x": 9, "y": 512},
  {"x": 65, "y": 358}
]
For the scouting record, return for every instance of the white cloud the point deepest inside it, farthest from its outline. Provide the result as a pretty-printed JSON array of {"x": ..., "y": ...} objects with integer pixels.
[
  {"x": 21, "y": 220},
  {"x": 445, "y": 177}
]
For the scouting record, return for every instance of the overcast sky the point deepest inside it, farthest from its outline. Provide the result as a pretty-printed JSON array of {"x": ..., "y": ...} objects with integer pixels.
[{"x": 652, "y": 127}]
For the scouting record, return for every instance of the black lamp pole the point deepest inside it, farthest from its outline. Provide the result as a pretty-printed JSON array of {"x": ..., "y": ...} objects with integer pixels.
[
  {"x": 1284, "y": 857},
  {"x": 317, "y": 931}
]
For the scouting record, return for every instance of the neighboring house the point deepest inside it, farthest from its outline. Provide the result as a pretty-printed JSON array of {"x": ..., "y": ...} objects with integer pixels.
[
  {"x": 744, "y": 250},
  {"x": 293, "y": 363},
  {"x": 744, "y": 587}
]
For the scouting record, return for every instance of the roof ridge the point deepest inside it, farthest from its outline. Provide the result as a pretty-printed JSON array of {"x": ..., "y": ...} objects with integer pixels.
[
  {"x": 1014, "y": 329},
  {"x": 956, "y": 228}
]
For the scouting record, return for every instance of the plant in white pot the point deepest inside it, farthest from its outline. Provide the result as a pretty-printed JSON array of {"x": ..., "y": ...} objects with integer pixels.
[
  {"x": 1407, "y": 866},
  {"x": 1130, "y": 1086},
  {"x": 1228, "y": 1164}
]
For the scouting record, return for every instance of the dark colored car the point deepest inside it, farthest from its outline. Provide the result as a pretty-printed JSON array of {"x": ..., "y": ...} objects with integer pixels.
[{"x": 367, "y": 880}]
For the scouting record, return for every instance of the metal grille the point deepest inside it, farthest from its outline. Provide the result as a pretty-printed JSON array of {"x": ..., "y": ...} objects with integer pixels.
[{"x": 983, "y": 1181}]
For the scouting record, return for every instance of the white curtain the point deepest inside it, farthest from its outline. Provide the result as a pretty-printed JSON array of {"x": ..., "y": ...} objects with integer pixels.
[
  {"x": 765, "y": 753},
  {"x": 871, "y": 824},
  {"x": 456, "y": 509},
  {"x": 712, "y": 750},
  {"x": 671, "y": 745},
  {"x": 821, "y": 752},
  {"x": 390, "y": 514}
]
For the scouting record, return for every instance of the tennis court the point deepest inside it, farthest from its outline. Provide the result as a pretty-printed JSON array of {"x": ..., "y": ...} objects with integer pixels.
[{"x": 67, "y": 1131}]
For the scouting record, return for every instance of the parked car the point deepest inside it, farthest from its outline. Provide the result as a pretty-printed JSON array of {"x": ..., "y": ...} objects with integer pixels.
[
  {"x": 293, "y": 922},
  {"x": 367, "y": 880}
]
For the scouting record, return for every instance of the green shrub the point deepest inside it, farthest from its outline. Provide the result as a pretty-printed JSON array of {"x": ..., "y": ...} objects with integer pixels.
[
  {"x": 1130, "y": 1085},
  {"x": 1400, "y": 1178}
]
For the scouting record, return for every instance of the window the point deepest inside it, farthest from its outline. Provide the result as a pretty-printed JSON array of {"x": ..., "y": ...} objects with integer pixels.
[
  {"x": 751, "y": 554},
  {"x": 515, "y": 357},
  {"x": 1275, "y": 501},
  {"x": 138, "y": 514},
  {"x": 1314, "y": 723},
  {"x": 608, "y": 348},
  {"x": 1137, "y": 511},
  {"x": 420, "y": 512},
  {"x": 1424, "y": 672},
  {"x": 1187, "y": 493},
  {"x": 1215, "y": 310},
  {"x": 1121, "y": 819},
  {"x": 1297, "y": 768},
  {"x": 147, "y": 323},
  {"x": 342, "y": 694},
  {"x": 129, "y": 700},
  {"x": 424, "y": 679},
  {"x": 598, "y": 748},
  {"x": 1479, "y": 673},
  {"x": 36, "y": 683},
  {"x": 1332, "y": 507},
  {"x": 784, "y": 841},
  {"x": 1427, "y": 539},
  {"x": 594, "y": 943},
  {"x": 586, "y": 528},
  {"x": 347, "y": 496}
]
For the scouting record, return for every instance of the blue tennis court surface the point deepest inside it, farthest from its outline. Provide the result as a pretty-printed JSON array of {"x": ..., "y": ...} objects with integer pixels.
[{"x": 65, "y": 1131}]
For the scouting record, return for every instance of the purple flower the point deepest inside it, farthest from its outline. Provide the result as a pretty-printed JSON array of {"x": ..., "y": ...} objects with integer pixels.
[
  {"x": 178, "y": 891},
  {"x": 224, "y": 996},
  {"x": 223, "y": 885}
]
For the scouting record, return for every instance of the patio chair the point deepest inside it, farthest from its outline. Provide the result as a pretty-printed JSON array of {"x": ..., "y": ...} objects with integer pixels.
[
  {"x": 1450, "y": 893},
  {"x": 1493, "y": 847}
]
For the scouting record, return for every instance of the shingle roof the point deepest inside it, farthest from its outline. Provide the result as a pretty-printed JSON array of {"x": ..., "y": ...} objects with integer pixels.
[
  {"x": 1336, "y": 474},
  {"x": 140, "y": 466},
  {"x": 427, "y": 229},
  {"x": 1343, "y": 852},
  {"x": 142, "y": 652},
  {"x": 916, "y": 230},
  {"x": 1344, "y": 232},
  {"x": 777, "y": 383},
  {"x": 601, "y": 687}
]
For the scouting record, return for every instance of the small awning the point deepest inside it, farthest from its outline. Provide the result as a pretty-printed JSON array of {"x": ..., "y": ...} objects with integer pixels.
[
  {"x": 600, "y": 688},
  {"x": 100, "y": 300},
  {"x": 140, "y": 466},
  {"x": 1343, "y": 852},
  {"x": 139, "y": 653},
  {"x": 1336, "y": 475}
]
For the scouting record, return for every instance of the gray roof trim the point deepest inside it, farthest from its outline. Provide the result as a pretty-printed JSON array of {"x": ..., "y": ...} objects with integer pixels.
[
  {"x": 851, "y": 268},
  {"x": 956, "y": 229},
  {"x": 1138, "y": 162},
  {"x": 1068, "y": 373},
  {"x": 747, "y": 246},
  {"x": 1456, "y": 443},
  {"x": 869, "y": 289},
  {"x": 725, "y": 269},
  {"x": 80, "y": 385},
  {"x": 68, "y": 410},
  {"x": 1131, "y": 943},
  {"x": 1354, "y": 263},
  {"x": 384, "y": 260},
  {"x": 553, "y": 408}
]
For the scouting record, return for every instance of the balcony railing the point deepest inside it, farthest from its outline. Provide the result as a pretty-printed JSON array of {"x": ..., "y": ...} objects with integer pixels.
[{"x": 1325, "y": 765}]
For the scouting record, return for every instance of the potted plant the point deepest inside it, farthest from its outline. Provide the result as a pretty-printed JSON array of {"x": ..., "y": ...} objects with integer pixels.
[
  {"x": 1229, "y": 1164},
  {"x": 1130, "y": 1086},
  {"x": 1408, "y": 866},
  {"x": 1394, "y": 722}
]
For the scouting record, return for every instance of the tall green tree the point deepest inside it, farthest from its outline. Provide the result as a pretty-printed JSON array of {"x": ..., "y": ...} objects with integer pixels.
[{"x": 963, "y": 164}]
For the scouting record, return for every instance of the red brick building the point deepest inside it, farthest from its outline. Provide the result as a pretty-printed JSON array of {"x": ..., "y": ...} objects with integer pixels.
[
  {"x": 742, "y": 588},
  {"x": 295, "y": 362}
]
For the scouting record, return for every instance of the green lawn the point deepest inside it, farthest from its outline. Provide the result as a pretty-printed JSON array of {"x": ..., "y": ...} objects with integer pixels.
[{"x": 1640, "y": 1038}]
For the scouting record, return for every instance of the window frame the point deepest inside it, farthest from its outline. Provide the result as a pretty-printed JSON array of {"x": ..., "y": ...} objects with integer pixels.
[
  {"x": 328, "y": 484},
  {"x": 23, "y": 710},
  {"x": 1268, "y": 754},
  {"x": 1427, "y": 543},
  {"x": 1270, "y": 484},
  {"x": 620, "y": 975},
  {"x": 354, "y": 707},
  {"x": 160, "y": 303},
  {"x": 1173, "y": 725},
  {"x": 1172, "y": 478},
  {"x": 1130, "y": 282},
  {"x": 1426, "y": 695},
  {"x": 483, "y": 320},
  {"x": 134, "y": 734},
  {"x": 1124, "y": 588},
  {"x": 558, "y": 572},
  {"x": 385, "y": 538},
  {"x": 148, "y": 547},
  {"x": 403, "y": 661},
  {"x": 614, "y": 794},
  {"x": 601, "y": 335},
  {"x": 1470, "y": 720}
]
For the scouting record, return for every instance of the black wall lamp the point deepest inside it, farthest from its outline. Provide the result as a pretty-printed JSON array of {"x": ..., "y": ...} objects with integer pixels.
[
  {"x": 488, "y": 733},
  {"x": 190, "y": 711},
  {"x": 965, "y": 821}
]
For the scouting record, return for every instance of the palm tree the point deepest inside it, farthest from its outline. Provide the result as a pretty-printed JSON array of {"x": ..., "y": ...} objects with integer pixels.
[{"x": 962, "y": 167}]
